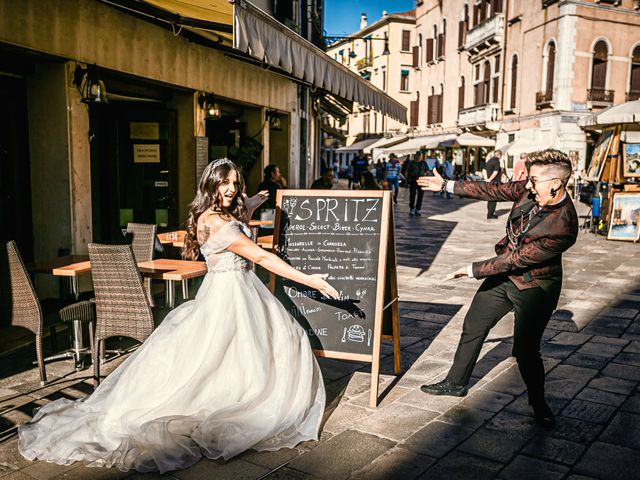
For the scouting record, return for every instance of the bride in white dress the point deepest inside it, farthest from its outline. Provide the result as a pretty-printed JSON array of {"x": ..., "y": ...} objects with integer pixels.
[{"x": 226, "y": 372}]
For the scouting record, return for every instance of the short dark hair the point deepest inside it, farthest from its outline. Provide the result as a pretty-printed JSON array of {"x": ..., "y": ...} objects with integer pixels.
[
  {"x": 269, "y": 170},
  {"x": 553, "y": 158}
]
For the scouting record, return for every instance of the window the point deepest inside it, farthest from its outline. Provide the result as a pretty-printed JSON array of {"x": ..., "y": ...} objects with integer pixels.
[
  {"x": 634, "y": 80},
  {"x": 429, "y": 50},
  {"x": 384, "y": 81},
  {"x": 599, "y": 66},
  {"x": 463, "y": 26},
  {"x": 461, "y": 94},
  {"x": 551, "y": 62},
  {"x": 414, "y": 108},
  {"x": 406, "y": 40},
  {"x": 404, "y": 80},
  {"x": 514, "y": 79},
  {"x": 485, "y": 83},
  {"x": 442, "y": 38}
]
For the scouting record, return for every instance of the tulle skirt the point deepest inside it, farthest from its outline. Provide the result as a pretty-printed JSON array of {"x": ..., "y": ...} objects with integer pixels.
[{"x": 226, "y": 372}]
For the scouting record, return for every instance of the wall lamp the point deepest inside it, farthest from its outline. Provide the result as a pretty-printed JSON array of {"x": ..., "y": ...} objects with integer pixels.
[
  {"x": 89, "y": 84},
  {"x": 210, "y": 106},
  {"x": 275, "y": 123}
]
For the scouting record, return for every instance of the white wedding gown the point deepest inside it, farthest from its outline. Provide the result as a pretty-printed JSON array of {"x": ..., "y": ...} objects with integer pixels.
[{"x": 226, "y": 372}]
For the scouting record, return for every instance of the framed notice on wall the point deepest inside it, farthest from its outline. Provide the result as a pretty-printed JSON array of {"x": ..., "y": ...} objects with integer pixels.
[
  {"x": 146, "y": 153},
  {"x": 202, "y": 156},
  {"x": 348, "y": 235}
]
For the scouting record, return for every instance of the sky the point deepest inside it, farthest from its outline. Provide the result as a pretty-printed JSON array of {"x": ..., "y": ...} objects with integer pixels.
[{"x": 342, "y": 17}]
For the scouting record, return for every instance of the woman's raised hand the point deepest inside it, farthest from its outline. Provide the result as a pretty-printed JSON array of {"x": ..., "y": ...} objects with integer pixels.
[
  {"x": 433, "y": 184},
  {"x": 318, "y": 281}
]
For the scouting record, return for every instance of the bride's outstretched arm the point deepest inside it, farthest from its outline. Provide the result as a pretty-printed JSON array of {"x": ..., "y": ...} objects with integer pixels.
[{"x": 244, "y": 247}]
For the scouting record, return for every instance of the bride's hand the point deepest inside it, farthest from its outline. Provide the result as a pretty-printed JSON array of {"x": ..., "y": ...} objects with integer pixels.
[
  {"x": 257, "y": 200},
  {"x": 318, "y": 281}
]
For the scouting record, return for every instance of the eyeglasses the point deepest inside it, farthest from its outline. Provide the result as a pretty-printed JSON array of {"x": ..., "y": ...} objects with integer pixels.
[{"x": 534, "y": 180}]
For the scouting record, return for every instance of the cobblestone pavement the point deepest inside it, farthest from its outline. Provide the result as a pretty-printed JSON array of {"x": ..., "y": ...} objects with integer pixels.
[{"x": 591, "y": 352}]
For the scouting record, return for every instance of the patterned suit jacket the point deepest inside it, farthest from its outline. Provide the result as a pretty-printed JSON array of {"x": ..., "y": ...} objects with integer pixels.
[{"x": 537, "y": 260}]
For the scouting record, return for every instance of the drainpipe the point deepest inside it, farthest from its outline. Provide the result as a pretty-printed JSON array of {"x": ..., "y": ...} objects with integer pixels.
[{"x": 504, "y": 58}]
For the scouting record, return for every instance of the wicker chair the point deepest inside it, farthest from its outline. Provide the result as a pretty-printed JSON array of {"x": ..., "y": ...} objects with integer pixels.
[
  {"x": 122, "y": 306},
  {"x": 26, "y": 310},
  {"x": 144, "y": 237}
]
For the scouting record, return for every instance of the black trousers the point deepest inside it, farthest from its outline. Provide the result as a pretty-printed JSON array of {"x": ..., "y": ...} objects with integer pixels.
[
  {"x": 415, "y": 195},
  {"x": 496, "y": 297},
  {"x": 491, "y": 208}
]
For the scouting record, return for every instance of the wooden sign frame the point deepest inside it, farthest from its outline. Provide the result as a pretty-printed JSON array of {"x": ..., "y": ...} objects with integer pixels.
[{"x": 386, "y": 266}]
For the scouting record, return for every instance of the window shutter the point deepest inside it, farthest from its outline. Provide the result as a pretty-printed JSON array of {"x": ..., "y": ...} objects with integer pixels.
[
  {"x": 462, "y": 33},
  {"x": 429, "y": 50},
  {"x": 495, "y": 89},
  {"x": 551, "y": 62},
  {"x": 416, "y": 56},
  {"x": 406, "y": 40},
  {"x": 514, "y": 79},
  {"x": 635, "y": 71},
  {"x": 413, "y": 112},
  {"x": 461, "y": 95},
  {"x": 441, "y": 40}
]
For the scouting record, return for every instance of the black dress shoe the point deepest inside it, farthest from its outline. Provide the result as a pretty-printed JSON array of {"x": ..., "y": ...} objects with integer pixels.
[
  {"x": 489, "y": 217},
  {"x": 445, "y": 387},
  {"x": 543, "y": 414}
]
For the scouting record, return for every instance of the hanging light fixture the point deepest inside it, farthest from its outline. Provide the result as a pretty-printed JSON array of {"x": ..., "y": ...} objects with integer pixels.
[
  {"x": 210, "y": 106},
  {"x": 90, "y": 85}
]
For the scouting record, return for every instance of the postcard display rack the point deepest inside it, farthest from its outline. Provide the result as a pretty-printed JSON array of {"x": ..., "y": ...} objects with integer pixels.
[{"x": 616, "y": 165}]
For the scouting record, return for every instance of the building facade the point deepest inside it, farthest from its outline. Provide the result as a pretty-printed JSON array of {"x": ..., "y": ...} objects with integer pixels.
[
  {"x": 112, "y": 112},
  {"x": 524, "y": 71},
  {"x": 381, "y": 53}
]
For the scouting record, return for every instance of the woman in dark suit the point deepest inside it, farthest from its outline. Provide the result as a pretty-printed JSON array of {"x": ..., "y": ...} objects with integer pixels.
[{"x": 525, "y": 275}]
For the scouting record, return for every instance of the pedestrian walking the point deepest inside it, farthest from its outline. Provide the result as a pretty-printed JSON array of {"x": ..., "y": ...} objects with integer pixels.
[
  {"x": 414, "y": 169},
  {"x": 491, "y": 174},
  {"x": 520, "y": 169},
  {"x": 393, "y": 176},
  {"x": 525, "y": 275}
]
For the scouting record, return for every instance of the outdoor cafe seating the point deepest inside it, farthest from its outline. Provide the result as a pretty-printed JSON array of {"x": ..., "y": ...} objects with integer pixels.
[{"x": 122, "y": 304}]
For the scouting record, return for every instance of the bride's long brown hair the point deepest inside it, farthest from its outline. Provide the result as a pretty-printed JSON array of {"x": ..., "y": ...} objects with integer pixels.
[{"x": 207, "y": 197}]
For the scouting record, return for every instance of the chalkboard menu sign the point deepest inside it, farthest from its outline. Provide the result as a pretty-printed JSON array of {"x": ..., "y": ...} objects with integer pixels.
[{"x": 345, "y": 234}]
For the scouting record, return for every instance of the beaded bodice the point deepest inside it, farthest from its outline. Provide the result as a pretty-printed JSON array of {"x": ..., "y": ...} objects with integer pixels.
[{"x": 215, "y": 252}]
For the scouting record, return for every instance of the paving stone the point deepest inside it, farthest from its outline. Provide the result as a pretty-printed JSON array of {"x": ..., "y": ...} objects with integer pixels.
[
  {"x": 627, "y": 372},
  {"x": 16, "y": 475},
  {"x": 589, "y": 411},
  {"x": 434, "y": 403},
  {"x": 633, "y": 347},
  {"x": 496, "y": 445},
  {"x": 509, "y": 382},
  {"x": 147, "y": 476},
  {"x": 235, "y": 469},
  {"x": 10, "y": 458},
  {"x": 621, "y": 462},
  {"x": 343, "y": 417},
  {"x": 601, "y": 396},
  {"x": 270, "y": 460},
  {"x": 488, "y": 400},
  {"x": 575, "y": 430},
  {"x": 459, "y": 465},
  {"x": 597, "y": 362},
  {"x": 466, "y": 416},
  {"x": 566, "y": 338},
  {"x": 46, "y": 471},
  {"x": 527, "y": 468},
  {"x": 436, "y": 439},
  {"x": 623, "y": 430},
  {"x": 554, "y": 449},
  {"x": 512, "y": 422},
  {"x": 395, "y": 421},
  {"x": 398, "y": 463},
  {"x": 341, "y": 455},
  {"x": 287, "y": 473},
  {"x": 602, "y": 349},
  {"x": 610, "y": 384},
  {"x": 629, "y": 313},
  {"x": 82, "y": 473},
  {"x": 632, "y": 404}
]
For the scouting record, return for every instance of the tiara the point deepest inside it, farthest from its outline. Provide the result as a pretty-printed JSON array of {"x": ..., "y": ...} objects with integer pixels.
[{"x": 222, "y": 161}]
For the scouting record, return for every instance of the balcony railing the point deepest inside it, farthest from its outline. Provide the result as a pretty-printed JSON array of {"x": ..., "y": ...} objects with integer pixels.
[
  {"x": 486, "y": 34},
  {"x": 363, "y": 63},
  {"x": 544, "y": 99},
  {"x": 481, "y": 117},
  {"x": 598, "y": 96},
  {"x": 632, "y": 95}
]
